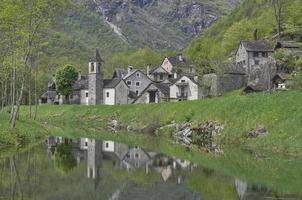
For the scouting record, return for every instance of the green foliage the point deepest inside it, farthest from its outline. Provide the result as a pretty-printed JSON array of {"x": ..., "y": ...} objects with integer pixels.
[
  {"x": 64, "y": 160},
  {"x": 138, "y": 59},
  {"x": 65, "y": 77},
  {"x": 298, "y": 81},
  {"x": 286, "y": 60}
]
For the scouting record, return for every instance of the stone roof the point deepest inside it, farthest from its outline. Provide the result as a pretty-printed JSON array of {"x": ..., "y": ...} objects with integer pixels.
[
  {"x": 96, "y": 57},
  {"x": 255, "y": 87},
  {"x": 49, "y": 95},
  {"x": 81, "y": 84},
  {"x": 173, "y": 81},
  {"x": 164, "y": 88},
  {"x": 120, "y": 73},
  {"x": 112, "y": 83},
  {"x": 177, "y": 62},
  {"x": 257, "y": 45},
  {"x": 284, "y": 76},
  {"x": 287, "y": 45}
]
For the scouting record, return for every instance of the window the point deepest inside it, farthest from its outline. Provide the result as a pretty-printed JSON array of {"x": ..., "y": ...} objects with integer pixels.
[
  {"x": 86, "y": 94},
  {"x": 71, "y": 96},
  {"x": 129, "y": 82},
  {"x": 136, "y": 92},
  {"x": 86, "y": 144},
  {"x": 161, "y": 77},
  {"x": 107, "y": 144},
  {"x": 191, "y": 70},
  {"x": 256, "y": 54},
  {"x": 99, "y": 68},
  {"x": 256, "y": 62},
  {"x": 183, "y": 81},
  {"x": 137, "y": 84},
  {"x": 138, "y": 74},
  {"x": 244, "y": 62},
  {"x": 92, "y": 67},
  {"x": 136, "y": 155},
  {"x": 264, "y": 54},
  {"x": 107, "y": 94}
]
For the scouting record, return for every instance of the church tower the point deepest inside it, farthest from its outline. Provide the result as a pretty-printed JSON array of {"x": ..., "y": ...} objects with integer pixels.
[{"x": 96, "y": 80}]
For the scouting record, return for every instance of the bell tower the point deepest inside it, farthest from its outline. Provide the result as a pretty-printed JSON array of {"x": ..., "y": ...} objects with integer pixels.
[{"x": 96, "y": 80}]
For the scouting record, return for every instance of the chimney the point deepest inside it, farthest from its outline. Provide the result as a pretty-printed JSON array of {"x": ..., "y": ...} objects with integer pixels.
[
  {"x": 180, "y": 57},
  {"x": 79, "y": 75},
  {"x": 175, "y": 75},
  {"x": 148, "y": 70},
  {"x": 255, "y": 34},
  {"x": 130, "y": 68}
]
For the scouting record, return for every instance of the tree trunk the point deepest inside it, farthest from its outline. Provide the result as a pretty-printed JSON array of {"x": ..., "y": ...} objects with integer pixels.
[
  {"x": 29, "y": 93},
  {"x": 36, "y": 98},
  {"x": 13, "y": 93},
  {"x": 16, "y": 111}
]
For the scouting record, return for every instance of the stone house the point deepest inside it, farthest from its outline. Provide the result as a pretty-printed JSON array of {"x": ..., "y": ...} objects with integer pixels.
[
  {"x": 184, "y": 88},
  {"x": 251, "y": 55},
  {"x": 154, "y": 93},
  {"x": 50, "y": 96},
  {"x": 282, "y": 81}
]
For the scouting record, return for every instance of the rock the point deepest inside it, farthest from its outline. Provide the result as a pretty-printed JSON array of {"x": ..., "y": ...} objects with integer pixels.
[{"x": 258, "y": 132}]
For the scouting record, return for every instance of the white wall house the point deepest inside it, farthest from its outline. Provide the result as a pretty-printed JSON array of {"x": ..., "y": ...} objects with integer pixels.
[{"x": 184, "y": 88}]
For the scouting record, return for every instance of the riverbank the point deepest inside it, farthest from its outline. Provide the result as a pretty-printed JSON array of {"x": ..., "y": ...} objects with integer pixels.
[{"x": 279, "y": 113}]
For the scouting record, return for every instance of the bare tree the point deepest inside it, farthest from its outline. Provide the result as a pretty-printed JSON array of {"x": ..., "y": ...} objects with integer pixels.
[{"x": 279, "y": 9}]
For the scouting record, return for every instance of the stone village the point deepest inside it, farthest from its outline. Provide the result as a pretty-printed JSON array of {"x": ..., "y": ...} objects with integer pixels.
[{"x": 176, "y": 79}]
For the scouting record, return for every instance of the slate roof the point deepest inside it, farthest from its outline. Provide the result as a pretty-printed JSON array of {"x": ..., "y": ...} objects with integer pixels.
[
  {"x": 173, "y": 81},
  {"x": 96, "y": 57},
  {"x": 257, "y": 45},
  {"x": 81, "y": 84},
  {"x": 176, "y": 62},
  {"x": 287, "y": 45},
  {"x": 112, "y": 83},
  {"x": 284, "y": 76},
  {"x": 164, "y": 88},
  {"x": 256, "y": 87},
  {"x": 49, "y": 95},
  {"x": 120, "y": 73}
]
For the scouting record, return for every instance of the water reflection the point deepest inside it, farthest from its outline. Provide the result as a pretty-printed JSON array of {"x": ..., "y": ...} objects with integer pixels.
[
  {"x": 123, "y": 157},
  {"x": 84, "y": 168}
]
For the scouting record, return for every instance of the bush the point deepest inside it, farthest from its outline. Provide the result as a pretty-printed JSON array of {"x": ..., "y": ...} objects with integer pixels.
[
  {"x": 285, "y": 60},
  {"x": 298, "y": 81}
]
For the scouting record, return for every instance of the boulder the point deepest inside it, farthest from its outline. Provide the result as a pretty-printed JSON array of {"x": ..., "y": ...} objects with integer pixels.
[{"x": 258, "y": 132}]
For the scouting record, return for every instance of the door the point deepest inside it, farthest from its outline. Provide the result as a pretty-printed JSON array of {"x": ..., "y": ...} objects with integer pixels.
[{"x": 152, "y": 97}]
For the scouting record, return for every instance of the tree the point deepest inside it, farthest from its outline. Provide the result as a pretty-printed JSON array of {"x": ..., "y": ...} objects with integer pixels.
[
  {"x": 279, "y": 8},
  {"x": 65, "y": 78}
]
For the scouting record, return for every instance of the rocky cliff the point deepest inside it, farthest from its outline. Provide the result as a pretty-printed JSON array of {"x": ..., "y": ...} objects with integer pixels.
[{"x": 162, "y": 24}]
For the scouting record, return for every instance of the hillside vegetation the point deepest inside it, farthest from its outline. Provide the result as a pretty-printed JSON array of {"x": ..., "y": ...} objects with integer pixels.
[{"x": 222, "y": 39}]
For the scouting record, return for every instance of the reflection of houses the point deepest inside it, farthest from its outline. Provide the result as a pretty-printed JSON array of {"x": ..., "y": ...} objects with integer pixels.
[
  {"x": 136, "y": 158},
  {"x": 94, "y": 159},
  {"x": 114, "y": 151}
]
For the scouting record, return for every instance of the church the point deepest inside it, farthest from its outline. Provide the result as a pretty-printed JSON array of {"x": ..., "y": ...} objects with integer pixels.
[{"x": 90, "y": 90}]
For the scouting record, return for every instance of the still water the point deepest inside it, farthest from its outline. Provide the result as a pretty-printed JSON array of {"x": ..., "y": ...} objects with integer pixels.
[{"x": 63, "y": 169}]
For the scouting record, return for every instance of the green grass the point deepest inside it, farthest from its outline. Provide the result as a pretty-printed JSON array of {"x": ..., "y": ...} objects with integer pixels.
[{"x": 279, "y": 113}]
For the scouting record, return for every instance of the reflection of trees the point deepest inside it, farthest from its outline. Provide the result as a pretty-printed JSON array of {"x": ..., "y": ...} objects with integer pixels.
[{"x": 64, "y": 160}]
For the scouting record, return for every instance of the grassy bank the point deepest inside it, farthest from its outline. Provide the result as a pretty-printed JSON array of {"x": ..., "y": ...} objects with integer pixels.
[{"x": 279, "y": 113}]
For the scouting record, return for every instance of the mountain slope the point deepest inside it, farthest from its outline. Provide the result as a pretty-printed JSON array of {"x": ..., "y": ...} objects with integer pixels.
[
  {"x": 222, "y": 39},
  {"x": 162, "y": 24}
]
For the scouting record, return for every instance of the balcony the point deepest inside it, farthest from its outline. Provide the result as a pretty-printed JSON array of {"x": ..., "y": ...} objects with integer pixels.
[
  {"x": 182, "y": 84},
  {"x": 182, "y": 96}
]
